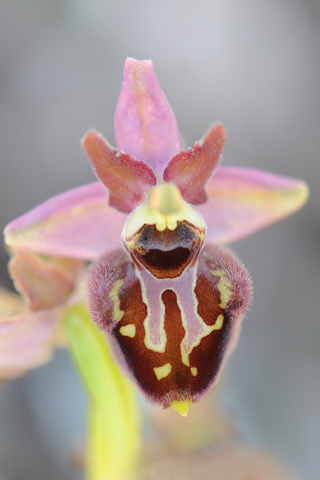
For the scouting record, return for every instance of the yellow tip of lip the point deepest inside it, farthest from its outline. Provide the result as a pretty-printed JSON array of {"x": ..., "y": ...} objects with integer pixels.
[{"x": 181, "y": 407}]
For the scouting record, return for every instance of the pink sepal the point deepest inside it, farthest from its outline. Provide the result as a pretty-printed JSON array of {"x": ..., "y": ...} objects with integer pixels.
[
  {"x": 145, "y": 125},
  {"x": 76, "y": 224},
  {"x": 244, "y": 200}
]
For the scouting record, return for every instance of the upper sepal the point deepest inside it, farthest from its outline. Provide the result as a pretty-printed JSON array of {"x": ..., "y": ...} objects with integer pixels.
[
  {"x": 126, "y": 178},
  {"x": 145, "y": 125}
]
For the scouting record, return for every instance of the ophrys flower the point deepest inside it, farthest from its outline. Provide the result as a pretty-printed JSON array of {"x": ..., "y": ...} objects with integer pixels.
[{"x": 173, "y": 300}]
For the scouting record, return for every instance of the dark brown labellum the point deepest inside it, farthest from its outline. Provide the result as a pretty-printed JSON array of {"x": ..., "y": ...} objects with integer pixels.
[{"x": 174, "y": 334}]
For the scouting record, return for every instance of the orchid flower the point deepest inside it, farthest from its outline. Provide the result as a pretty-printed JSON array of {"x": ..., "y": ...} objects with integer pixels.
[
  {"x": 164, "y": 292},
  {"x": 171, "y": 301}
]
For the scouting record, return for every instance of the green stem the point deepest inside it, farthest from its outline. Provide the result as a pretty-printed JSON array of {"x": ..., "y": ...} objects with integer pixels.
[{"x": 114, "y": 421}]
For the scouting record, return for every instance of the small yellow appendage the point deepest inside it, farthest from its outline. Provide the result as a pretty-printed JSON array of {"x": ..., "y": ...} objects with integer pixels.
[{"x": 181, "y": 407}]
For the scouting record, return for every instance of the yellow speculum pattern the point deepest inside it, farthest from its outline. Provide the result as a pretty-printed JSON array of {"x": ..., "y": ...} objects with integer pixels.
[
  {"x": 218, "y": 323},
  {"x": 117, "y": 313},
  {"x": 162, "y": 372},
  {"x": 150, "y": 345},
  {"x": 128, "y": 330},
  {"x": 205, "y": 329},
  {"x": 224, "y": 287},
  {"x": 185, "y": 353}
]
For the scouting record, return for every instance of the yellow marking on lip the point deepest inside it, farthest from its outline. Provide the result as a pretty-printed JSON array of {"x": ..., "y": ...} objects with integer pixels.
[
  {"x": 162, "y": 372},
  {"x": 181, "y": 407},
  {"x": 218, "y": 323},
  {"x": 224, "y": 287},
  {"x": 194, "y": 371},
  {"x": 128, "y": 330},
  {"x": 205, "y": 329},
  {"x": 208, "y": 329},
  {"x": 113, "y": 295},
  {"x": 161, "y": 347}
]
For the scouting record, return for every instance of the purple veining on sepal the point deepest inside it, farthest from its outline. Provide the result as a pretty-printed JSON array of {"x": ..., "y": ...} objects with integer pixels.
[{"x": 145, "y": 125}]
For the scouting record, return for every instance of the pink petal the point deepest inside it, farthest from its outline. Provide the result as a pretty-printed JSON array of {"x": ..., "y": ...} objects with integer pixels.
[
  {"x": 44, "y": 283},
  {"x": 27, "y": 341},
  {"x": 243, "y": 200},
  {"x": 190, "y": 170},
  {"x": 145, "y": 125},
  {"x": 76, "y": 224},
  {"x": 126, "y": 178}
]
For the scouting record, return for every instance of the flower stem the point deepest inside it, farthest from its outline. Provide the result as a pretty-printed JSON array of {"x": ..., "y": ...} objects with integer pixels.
[{"x": 114, "y": 421}]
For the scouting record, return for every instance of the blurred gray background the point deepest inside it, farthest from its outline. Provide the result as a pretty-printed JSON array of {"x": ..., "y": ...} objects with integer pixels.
[{"x": 254, "y": 65}]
